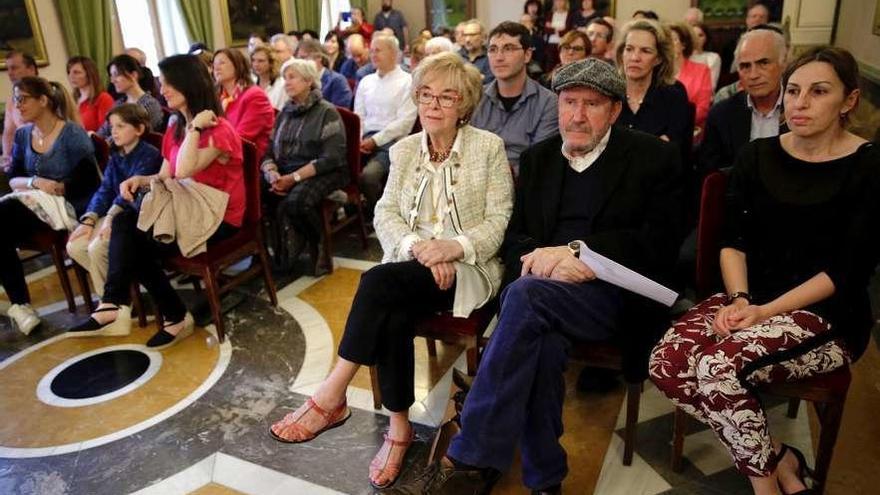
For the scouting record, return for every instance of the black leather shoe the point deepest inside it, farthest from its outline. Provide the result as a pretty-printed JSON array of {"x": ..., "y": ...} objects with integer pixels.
[
  {"x": 553, "y": 490},
  {"x": 441, "y": 478}
]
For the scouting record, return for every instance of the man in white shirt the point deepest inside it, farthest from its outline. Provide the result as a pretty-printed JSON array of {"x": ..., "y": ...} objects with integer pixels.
[{"x": 387, "y": 114}]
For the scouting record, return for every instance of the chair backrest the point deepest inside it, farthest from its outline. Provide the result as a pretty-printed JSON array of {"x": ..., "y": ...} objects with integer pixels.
[
  {"x": 251, "y": 165},
  {"x": 154, "y": 138},
  {"x": 709, "y": 227},
  {"x": 102, "y": 151},
  {"x": 352, "y": 123}
]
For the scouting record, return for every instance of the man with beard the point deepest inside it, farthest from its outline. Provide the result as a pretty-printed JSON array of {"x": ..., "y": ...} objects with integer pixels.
[
  {"x": 392, "y": 18},
  {"x": 614, "y": 190}
]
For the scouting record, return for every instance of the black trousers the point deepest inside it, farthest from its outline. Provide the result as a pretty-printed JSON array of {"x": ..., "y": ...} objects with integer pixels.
[
  {"x": 381, "y": 325},
  {"x": 19, "y": 224},
  {"x": 136, "y": 256}
]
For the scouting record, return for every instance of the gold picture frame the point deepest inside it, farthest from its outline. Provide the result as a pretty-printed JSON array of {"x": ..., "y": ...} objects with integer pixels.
[
  {"x": 242, "y": 17},
  {"x": 20, "y": 30}
]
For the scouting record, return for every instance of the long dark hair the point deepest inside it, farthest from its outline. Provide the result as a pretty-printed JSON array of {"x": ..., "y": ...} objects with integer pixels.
[
  {"x": 60, "y": 102},
  {"x": 96, "y": 87},
  {"x": 188, "y": 75}
]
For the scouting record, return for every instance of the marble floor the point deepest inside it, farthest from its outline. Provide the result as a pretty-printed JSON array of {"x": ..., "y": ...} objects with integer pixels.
[{"x": 108, "y": 416}]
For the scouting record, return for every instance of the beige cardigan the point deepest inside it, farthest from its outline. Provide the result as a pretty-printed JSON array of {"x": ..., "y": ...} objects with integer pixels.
[
  {"x": 183, "y": 210},
  {"x": 479, "y": 187}
]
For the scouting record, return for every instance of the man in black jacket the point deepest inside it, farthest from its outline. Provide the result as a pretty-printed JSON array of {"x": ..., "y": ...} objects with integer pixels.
[
  {"x": 755, "y": 112},
  {"x": 611, "y": 189}
]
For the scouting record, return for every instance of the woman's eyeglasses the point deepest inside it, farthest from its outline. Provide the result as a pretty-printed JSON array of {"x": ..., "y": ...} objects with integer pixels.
[{"x": 445, "y": 100}]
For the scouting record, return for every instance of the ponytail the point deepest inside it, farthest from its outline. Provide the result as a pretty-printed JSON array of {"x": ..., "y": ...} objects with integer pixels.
[{"x": 63, "y": 103}]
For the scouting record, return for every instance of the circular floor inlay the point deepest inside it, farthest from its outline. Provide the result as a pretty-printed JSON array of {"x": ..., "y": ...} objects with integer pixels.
[{"x": 100, "y": 374}]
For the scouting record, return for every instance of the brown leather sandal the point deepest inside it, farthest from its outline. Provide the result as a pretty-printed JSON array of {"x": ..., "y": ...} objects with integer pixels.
[
  {"x": 383, "y": 464},
  {"x": 332, "y": 419}
]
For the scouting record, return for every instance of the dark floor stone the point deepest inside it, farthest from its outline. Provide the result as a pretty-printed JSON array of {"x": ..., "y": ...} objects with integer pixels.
[{"x": 100, "y": 374}]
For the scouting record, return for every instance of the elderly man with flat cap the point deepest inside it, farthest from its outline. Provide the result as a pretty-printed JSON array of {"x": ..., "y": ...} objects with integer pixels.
[{"x": 614, "y": 190}]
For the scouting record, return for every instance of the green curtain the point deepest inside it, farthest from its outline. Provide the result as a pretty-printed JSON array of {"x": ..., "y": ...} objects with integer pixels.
[
  {"x": 197, "y": 14},
  {"x": 308, "y": 14},
  {"x": 359, "y": 3},
  {"x": 86, "y": 26}
]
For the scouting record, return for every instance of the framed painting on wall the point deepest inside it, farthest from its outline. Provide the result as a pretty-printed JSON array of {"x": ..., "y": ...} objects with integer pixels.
[
  {"x": 876, "y": 25},
  {"x": 243, "y": 17},
  {"x": 20, "y": 30}
]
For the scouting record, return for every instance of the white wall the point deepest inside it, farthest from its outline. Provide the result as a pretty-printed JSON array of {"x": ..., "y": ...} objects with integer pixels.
[{"x": 854, "y": 33}]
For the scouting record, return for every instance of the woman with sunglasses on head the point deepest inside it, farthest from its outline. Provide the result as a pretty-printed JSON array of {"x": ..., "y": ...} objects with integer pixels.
[
  {"x": 440, "y": 221},
  {"x": 574, "y": 46},
  {"x": 53, "y": 174}
]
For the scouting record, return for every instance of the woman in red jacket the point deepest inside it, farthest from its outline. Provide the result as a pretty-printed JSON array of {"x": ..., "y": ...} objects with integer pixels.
[
  {"x": 696, "y": 77},
  {"x": 246, "y": 106}
]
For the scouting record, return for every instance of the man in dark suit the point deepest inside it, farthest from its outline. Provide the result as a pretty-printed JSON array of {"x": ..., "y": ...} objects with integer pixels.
[
  {"x": 755, "y": 112},
  {"x": 614, "y": 190}
]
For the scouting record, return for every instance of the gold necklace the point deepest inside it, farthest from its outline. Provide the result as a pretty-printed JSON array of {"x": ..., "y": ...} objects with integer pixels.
[
  {"x": 439, "y": 156},
  {"x": 41, "y": 136}
]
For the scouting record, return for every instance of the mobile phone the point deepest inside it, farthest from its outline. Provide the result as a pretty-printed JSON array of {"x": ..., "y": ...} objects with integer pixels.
[{"x": 346, "y": 16}]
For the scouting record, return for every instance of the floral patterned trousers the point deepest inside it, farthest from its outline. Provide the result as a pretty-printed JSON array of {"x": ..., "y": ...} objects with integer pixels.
[{"x": 712, "y": 377}]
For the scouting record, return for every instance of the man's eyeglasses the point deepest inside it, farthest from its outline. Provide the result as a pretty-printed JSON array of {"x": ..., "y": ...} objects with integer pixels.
[
  {"x": 445, "y": 100},
  {"x": 506, "y": 49}
]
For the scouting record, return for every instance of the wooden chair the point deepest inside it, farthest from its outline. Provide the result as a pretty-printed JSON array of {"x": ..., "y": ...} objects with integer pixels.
[
  {"x": 154, "y": 138},
  {"x": 469, "y": 332},
  {"x": 248, "y": 241},
  {"x": 352, "y": 191},
  {"x": 827, "y": 391}
]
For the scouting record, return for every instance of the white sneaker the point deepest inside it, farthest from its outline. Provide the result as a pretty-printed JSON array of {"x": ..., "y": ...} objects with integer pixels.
[{"x": 24, "y": 316}]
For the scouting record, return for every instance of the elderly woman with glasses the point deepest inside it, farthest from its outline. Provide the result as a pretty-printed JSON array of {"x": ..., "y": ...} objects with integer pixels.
[{"x": 440, "y": 221}]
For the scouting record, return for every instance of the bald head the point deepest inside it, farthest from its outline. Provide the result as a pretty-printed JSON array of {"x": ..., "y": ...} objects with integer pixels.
[{"x": 757, "y": 15}]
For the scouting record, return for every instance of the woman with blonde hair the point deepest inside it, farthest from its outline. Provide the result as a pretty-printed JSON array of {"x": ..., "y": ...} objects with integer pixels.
[
  {"x": 268, "y": 77},
  {"x": 440, "y": 221},
  {"x": 655, "y": 102}
]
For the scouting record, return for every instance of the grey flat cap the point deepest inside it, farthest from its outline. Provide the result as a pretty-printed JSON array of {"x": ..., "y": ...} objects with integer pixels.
[{"x": 592, "y": 73}]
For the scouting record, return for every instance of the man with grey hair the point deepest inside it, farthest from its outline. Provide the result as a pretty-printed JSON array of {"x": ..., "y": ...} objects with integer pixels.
[
  {"x": 284, "y": 47},
  {"x": 474, "y": 49},
  {"x": 693, "y": 16},
  {"x": 592, "y": 186},
  {"x": 384, "y": 104},
  {"x": 438, "y": 44},
  {"x": 756, "y": 111},
  {"x": 334, "y": 87}
]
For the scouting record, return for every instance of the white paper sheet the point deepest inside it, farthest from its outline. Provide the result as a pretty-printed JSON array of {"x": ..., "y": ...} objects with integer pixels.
[{"x": 614, "y": 273}]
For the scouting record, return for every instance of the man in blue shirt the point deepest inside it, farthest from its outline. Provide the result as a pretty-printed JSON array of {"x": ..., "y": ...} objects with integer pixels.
[
  {"x": 515, "y": 107},
  {"x": 474, "y": 50},
  {"x": 334, "y": 86},
  {"x": 393, "y": 18}
]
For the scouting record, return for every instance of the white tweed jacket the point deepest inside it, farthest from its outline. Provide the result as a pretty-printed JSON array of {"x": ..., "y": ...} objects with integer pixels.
[{"x": 478, "y": 187}]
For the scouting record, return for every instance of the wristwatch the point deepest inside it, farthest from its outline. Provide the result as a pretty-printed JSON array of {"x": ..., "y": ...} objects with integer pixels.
[
  {"x": 30, "y": 182},
  {"x": 297, "y": 177},
  {"x": 737, "y": 295},
  {"x": 575, "y": 248}
]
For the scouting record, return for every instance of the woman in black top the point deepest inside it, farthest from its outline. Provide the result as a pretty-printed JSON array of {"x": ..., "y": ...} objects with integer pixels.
[
  {"x": 655, "y": 102},
  {"x": 799, "y": 246}
]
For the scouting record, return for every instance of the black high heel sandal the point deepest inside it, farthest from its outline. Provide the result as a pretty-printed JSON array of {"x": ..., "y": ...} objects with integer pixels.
[
  {"x": 802, "y": 471},
  {"x": 162, "y": 339}
]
